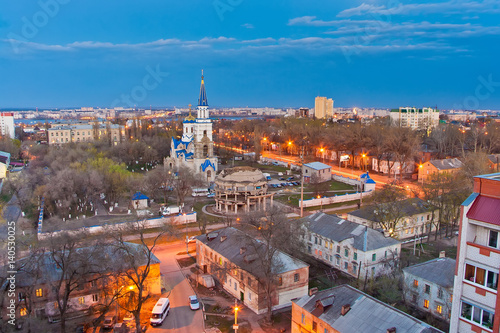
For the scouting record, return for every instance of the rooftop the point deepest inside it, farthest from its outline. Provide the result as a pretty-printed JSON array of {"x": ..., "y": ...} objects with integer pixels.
[
  {"x": 410, "y": 207},
  {"x": 485, "y": 209},
  {"x": 440, "y": 271},
  {"x": 337, "y": 229},
  {"x": 366, "y": 314},
  {"x": 317, "y": 166},
  {"x": 447, "y": 164}
]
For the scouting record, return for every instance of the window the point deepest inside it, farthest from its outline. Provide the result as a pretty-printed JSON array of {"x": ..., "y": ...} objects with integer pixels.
[
  {"x": 476, "y": 314},
  {"x": 415, "y": 283},
  {"x": 414, "y": 298},
  {"x": 303, "y": 319},
  {"x": 296, "y": 277},
  {"x": 39, "y": 292},
  {"x": 346, "y": 265},
  {"x": 440, "y": 293},
  {"x": 249, "y": 296},
  {"x": 95, "y": 298},
  {"x": 325, "y": 331},
  {"x": 220, "y": 261},
  {"x": 426, "y": 303},
  {"x": 315, "y": 240},
  {"x": 280, "y": 281},
  {"x": 337, "y": 261},
  {"x": 373, "y": 271},
  {"x": 338, "y": 248},
  {"x": 355, "y": 255},
  {"x": 22, "y": 296},
  {"x": 315, "y": 326},
  {"x": 320, "y": 241},
  {"x": 331, "y": 258},
  {"x": 354, "y": 269},
  {"x": 346, "y": 252},
  {"x": 374, "y": 257},
  {"x": 427, "y": 289},
  {"x": 235, "y": 286},
  {"x": 493, "y": 241},
  {"x": 481, "y": 276},
  {"x": 249, "y": 282},
  {"x": 326, "y": 244},
  {"x": 439, "y": 309},
  {"x": 81, "y": 300},
  {"x": 23, "y": 312},
  {"x": 385, "y": 255}
]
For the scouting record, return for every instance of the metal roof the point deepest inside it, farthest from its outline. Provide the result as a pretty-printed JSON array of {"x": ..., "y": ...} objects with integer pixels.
[
  {"x": 447, "y": 164},
  {"x": 139, "y": 196},
  {"x": 366, "y": 313},
  {"x": 440, "y": 271},
  {"x": 337, "y": 229},
  {"x": 317, "y": 166},
  {"x": 409, "y": 207},
  {"x": 485, "y": 209}
]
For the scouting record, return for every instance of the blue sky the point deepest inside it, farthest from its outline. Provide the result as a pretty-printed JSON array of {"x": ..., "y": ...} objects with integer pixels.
[{"x": 57, "y": 53}]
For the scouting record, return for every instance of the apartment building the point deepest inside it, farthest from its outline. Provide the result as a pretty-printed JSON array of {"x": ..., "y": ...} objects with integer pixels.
[
  {"x": 352, "y": 248},
  {"x": 7, "y": 124},
  {"x": 448, "y": 165},
  {"x": 476, "y": 298},
  {"x": 323, "y": 107},
  {"x": 58, "y": 135},
  {"x": 417, "y": 119}
]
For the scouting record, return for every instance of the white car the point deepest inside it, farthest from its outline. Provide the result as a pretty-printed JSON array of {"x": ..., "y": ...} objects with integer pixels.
[{"x": 193, "y": 302}]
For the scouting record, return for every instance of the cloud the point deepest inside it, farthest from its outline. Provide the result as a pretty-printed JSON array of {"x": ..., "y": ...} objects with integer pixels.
[
  {"x": 312, "y": 21},
  {"x": 449, "y": 7},
  {"x": 248, "y": 25}
]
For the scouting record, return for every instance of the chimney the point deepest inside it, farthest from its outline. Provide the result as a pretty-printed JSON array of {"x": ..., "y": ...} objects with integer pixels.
[
  {"x": 345, "y": 309},
  {"x": 442, "y": 254},
  {"x": 391, "y": 330},
  {"x": 243, "y": 250},
  {"x": 313, "y": 291},
  {"x": 223, "y": 238}
]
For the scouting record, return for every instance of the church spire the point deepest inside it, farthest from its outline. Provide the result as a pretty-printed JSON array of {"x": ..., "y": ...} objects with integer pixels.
[{"x": 202, "y": 101}]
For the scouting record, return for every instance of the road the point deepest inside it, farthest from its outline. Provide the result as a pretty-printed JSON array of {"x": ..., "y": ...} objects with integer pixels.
[{"x": 181, "y": 318}]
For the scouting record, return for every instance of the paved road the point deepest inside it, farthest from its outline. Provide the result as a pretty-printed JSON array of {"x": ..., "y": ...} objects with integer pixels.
[{"x": 181, "y": 318}]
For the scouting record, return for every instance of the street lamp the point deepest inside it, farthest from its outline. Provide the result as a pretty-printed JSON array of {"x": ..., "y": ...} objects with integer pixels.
[
  {"x": 321, "y": 150},
  {"x": 364, "y": 162},
  {"x": 187, "y": 238},
  {"x": 236, "y": 309}
]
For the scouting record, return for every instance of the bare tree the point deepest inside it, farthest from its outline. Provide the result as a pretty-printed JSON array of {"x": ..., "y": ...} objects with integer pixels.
[{"x": 386, "y": 204}]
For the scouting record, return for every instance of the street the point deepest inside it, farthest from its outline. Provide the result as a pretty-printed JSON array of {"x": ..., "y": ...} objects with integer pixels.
[{"x": 181, "y": 318}]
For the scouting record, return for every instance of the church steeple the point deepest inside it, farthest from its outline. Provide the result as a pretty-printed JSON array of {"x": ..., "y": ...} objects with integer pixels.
[{"x": 202, "y": 101}]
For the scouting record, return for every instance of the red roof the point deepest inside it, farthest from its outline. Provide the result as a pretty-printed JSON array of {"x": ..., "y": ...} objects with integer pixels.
[{"x": 485, "y": 209}]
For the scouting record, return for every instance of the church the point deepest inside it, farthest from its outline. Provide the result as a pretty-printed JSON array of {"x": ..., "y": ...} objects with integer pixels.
[{"x": 195, "y": 149}]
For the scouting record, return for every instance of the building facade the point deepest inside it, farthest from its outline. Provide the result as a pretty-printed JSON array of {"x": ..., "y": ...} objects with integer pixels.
[
  {"x": 476, "y": 298},
  {"x": 62, "y": 134},
  {"x": 415, "y": 218},
  {"x": 391, "y": 166},
  {"x": 428, "y": 286},
  {"x": 345, "y": 309},
  {"x": 449, "y": 165},
  {"x": 323, "y": 107},
  {"x": 241, "y": 188},
  {"x": 235, "y": 260},
  {"x": 7, "y": 124},
  {"x": 417, "y": 119},
  {"x": 316, "y": 172},
  {"x": 352, "y": 248},
  {"x": 195, "y": 149}
]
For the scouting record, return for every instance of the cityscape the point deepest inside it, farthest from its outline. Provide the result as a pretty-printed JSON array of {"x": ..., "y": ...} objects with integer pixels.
[{"x": 232, "y": 166}]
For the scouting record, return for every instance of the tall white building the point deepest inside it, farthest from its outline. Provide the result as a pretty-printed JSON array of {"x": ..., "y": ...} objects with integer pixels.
[
  {"x": 323, "y": 107},
  {"x": 418, "y": 119},
  {"x": 476, "y": 298},
  {"x": 7, "y": 124},
  {"x": 195, "y": 149}
]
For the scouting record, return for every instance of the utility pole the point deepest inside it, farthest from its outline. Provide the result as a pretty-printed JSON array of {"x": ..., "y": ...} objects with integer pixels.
[{"x": 302, "y": 183}]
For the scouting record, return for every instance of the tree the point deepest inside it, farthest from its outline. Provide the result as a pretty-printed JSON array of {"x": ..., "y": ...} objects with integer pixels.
[
  {"x": 386, "y": 204},
  {"x": 183, "y": 183}
]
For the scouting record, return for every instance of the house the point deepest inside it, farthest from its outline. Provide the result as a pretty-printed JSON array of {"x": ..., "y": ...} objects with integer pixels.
[
  {"x": 414, "y": 218},
  {"x": 139, "y": 201},
  {"x": 4, "y": 164},
  {"x": 388, "y": 165},
  {"x": 316, "y": 172},
  {"x": 352, "y": 248},
  {"x": 235, "y": 260},
  {"x": 476, "y": 300},
  {"x": 449, "y": 165},
  {"x": 428, "y": 286},
  {"x": 345, "y": 309},
  {"x": 35, "y": 282},
  {"x": 494, "y": 162}
]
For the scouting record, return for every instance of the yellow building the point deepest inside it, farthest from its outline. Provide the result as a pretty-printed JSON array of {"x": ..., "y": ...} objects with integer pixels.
[
  {"x": 84, "y": 133},
  {"x": 323, "y": 107}
]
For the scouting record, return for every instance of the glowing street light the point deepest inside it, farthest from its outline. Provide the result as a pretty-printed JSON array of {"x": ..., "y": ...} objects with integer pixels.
[{"x": 236, "y": 309}]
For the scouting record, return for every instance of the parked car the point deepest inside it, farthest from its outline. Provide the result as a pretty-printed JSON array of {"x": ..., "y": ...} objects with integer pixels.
[
  {"x": 193, "y": 302},
  {"x": 211, "y": 195},
  {"x": 109, "y": 322},
  {"x": 282, "y": 178},
  {"x": 290, "y": 178}
]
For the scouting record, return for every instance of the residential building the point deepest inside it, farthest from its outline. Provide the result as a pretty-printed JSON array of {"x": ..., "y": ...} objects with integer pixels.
[
  {"x": 449, "y": 165},
  {"x": 388, "y": 165},
  {"x": 413, "y": 218},
  {"x": 316, "y": 172},
  {"x": 241, "y": 188},
  {"x": 235, "y": 260},
  {"x": 417, "y": 119},
  {"x": 494, "y": 162},
  {"x": 428, "y": 286},
  {"x": 36, "y": 282},
  {"x": 476, "y": 298},
  {"x": 61, "y": 134},
  {"x": 4, "y": 164},
  {"x": 195, "y": 149},
  {"x": 352, "y": 248},
  {"x": 345, "y": 309},
  {"x": 323, "y": 107},
  {"x": 7, "y": 124}
]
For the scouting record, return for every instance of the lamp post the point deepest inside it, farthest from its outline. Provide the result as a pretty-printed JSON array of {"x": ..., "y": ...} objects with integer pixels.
[
  {"x": 236, "y": 309},
  {"x": 322, "y": 150},
  {"x": 186, "y": 227}
]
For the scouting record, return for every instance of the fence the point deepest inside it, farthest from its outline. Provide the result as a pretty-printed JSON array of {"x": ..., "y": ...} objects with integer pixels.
[{"x": 337, "y": 198}]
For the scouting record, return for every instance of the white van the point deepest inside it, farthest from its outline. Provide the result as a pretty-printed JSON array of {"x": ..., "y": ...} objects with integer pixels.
[{"x": 160, "y": 311}]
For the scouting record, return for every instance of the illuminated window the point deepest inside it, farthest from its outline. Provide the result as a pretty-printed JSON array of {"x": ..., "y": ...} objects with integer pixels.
[
  {"x": 415, "y": 283},
  {"x": 39, "y": 292},
  {"x": 23, "y": 312},
  {"x": 220, "y": 261},
  {"x": 81, "y": 300},
  {"x": 439, "y": 309},
  {"x": 426, "y": 303},
  {"x": 280, "y": 281}
]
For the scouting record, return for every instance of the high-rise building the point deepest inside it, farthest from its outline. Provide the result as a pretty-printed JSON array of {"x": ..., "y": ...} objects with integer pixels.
[
  {"x": 195, "y": 149},
  {"x": 7, "y": 124},
  {"x": 476, "y": 298},
  {"x": 323, "y": 107},
  {"x": 421, "y": 119}
]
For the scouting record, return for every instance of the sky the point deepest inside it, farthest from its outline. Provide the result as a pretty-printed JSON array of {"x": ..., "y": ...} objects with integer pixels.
[{"x": 367, "y": 53}]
